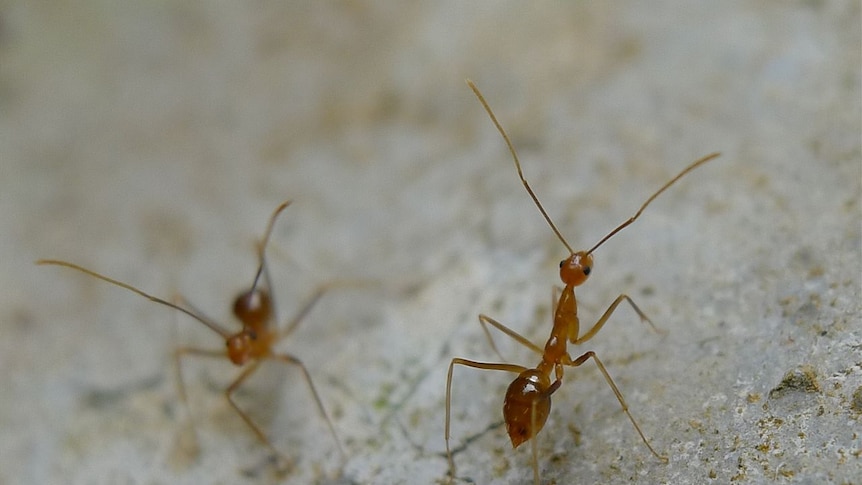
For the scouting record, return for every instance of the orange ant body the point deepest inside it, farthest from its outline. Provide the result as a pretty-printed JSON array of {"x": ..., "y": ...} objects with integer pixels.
[
  {"x": 528, "y": 398},
  {"x": 252, "y": 344}
]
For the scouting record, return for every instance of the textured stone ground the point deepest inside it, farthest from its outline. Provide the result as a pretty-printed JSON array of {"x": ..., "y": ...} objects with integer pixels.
[{"x": 152, "y": 140}]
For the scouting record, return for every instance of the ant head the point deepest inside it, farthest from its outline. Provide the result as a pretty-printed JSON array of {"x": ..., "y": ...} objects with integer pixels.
[
  {"x": 575, "y": 269},
  {"x": 238, "y": 346},
  {"x": 253, "y": 308}
]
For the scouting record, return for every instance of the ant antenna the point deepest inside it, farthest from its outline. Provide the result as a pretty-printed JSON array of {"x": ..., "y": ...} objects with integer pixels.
[
  {"x": 518, "y": 164},
  {"x": 212, "y": 325},
  {"x": 261, "y": 245},
  {"x": 511, "y": 147},
  {"x": 686, "y": 170}
]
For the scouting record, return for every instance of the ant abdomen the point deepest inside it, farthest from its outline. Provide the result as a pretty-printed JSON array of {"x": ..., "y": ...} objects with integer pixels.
[{"x": 527, "y": 405}]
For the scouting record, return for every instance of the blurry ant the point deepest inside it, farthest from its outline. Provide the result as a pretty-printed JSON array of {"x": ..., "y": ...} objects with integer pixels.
[
  {"x": 528, "y": 399},
  {"x": 249, "y": 347}
]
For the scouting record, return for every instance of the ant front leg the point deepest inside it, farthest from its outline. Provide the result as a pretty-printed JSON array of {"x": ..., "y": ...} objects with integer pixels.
[
  {"x": 179, "y": 353},
  {"x": 599, "y": 324},
  {"x": 289, "y": 359},
  {"x": 592, "y": 355},
  {"x": 513, "y": 368},
  {"x": 300, "y": 315},
  {"x": 284, "y": 463}
]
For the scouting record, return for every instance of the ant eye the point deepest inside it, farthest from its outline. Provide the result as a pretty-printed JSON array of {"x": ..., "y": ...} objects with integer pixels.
[
  {"x": 562, "y": 263},
  {"x": 587, "y": 270}
]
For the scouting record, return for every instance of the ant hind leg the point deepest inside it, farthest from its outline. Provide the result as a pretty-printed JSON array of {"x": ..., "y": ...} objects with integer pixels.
[
  {"x": 289, "y": 359},
  {"x": 592, "y": 355},
  {"x": 513, "y": 368}
]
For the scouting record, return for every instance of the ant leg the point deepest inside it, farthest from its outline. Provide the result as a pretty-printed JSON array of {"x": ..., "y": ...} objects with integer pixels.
[
  {"x": 183, "y": 351},
  {"x": 485, "y": 320},
  {"x": 300, "y": 315},
  {"x": 592, "y": 355},
  {"x": 315, "y": 297},
  {"x": 516, "y": 369},
  {"x": 599, "y": 324},
  {"x": 289, "y": 359},
  {"x": 179, "y": 353},
  {"x": 249, "y": 370},
  {"x": 534, "y": 445}
]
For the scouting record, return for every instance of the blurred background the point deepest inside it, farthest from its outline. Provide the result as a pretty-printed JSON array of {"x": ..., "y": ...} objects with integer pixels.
[{"x": 152, "y": 140}]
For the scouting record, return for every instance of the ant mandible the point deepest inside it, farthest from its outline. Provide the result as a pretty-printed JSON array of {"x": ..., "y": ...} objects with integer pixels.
[
  {"x": 251, "y": 345},
  {"x": 528, "y": 399}
]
